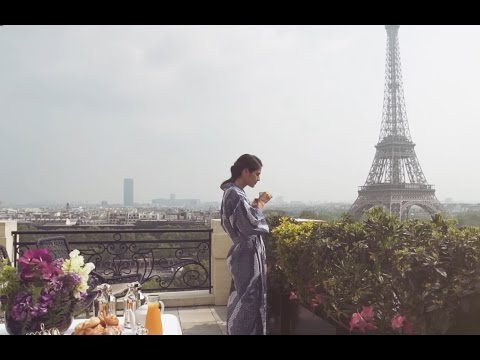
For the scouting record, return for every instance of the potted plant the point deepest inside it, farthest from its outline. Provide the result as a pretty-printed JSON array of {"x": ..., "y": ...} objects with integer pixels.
[{"x": 43, "y": 291}]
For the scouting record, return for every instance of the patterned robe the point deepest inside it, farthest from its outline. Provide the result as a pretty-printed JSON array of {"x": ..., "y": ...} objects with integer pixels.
[{"x": 246, "y": 262}]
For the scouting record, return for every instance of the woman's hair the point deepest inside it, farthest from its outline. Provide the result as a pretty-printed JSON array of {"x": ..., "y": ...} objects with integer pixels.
[{"x": 246, "y": 161}]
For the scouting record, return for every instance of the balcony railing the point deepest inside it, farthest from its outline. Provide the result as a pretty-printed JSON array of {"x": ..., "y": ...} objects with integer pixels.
[
  {"x": 389, "y": 187},
  {"x": 166, "y": 259}
]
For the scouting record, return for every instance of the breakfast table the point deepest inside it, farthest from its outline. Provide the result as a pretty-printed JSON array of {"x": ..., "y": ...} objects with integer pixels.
[{"x": 170, "y": 323}]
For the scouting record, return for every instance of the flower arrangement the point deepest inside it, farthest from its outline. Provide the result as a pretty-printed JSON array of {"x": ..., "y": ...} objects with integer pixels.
[{"x": 43, "y": 290}]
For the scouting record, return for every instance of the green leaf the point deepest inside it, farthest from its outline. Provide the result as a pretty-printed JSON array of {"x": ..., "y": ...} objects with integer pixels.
[{"x": 441, "y": 272}]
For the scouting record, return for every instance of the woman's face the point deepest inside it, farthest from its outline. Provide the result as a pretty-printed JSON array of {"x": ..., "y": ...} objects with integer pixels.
[{"x": 252, "y": 177}]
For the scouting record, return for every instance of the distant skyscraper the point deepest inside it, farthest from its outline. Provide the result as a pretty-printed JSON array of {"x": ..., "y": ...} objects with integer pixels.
[{"x": 128, "y": 192}]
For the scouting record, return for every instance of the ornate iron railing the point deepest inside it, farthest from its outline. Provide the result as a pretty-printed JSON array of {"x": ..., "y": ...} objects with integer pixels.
[{"x": 166, "y": 259}]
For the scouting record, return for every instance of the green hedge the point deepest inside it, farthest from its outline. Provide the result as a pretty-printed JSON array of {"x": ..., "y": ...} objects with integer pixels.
[{"x": 380, "y": 275}]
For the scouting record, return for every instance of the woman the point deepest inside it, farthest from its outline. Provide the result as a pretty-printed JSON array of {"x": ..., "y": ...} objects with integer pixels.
[{"x": 245, "y": 224}]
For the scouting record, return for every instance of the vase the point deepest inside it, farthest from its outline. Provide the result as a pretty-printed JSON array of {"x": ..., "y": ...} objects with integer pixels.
[{"x": 15, "y": 327}]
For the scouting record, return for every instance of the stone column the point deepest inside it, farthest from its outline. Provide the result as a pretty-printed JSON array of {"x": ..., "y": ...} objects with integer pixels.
[
  {"x": 6, "y": 238},
  {"x": 221, "y": 278}
]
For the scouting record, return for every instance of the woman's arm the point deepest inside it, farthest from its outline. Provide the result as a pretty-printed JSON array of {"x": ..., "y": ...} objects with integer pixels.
[
  {"x": 242, "y": 217},
  {"x": 249, "y": 219}
]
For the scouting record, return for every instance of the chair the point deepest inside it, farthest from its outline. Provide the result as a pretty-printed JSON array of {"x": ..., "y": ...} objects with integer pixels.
[
  {"x": 4, "y": 254},
  {"x": 58, "y": 246}
]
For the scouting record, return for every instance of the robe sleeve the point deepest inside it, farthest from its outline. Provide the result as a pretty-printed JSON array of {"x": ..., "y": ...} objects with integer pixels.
[{"x": 249, "y": 220}]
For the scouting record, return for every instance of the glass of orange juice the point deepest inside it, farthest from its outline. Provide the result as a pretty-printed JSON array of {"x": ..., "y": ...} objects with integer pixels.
[{"x": 153, "y": 319}]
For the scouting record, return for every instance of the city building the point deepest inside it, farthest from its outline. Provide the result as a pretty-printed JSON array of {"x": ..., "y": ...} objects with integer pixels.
[{"x": 128, "y": 192}]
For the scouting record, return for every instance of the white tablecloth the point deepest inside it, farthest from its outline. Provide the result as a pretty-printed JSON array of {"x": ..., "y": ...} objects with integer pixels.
[{"x": 171, "y": 326}]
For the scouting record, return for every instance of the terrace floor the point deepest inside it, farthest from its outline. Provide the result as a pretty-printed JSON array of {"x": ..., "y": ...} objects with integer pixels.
[{"x": 201, "y": 320}]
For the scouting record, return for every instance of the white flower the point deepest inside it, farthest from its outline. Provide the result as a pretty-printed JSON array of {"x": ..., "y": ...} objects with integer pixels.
[{"x": 76, "y": 264}]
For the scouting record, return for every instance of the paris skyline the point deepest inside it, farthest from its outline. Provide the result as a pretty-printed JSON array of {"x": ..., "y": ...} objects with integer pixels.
[{"x": 84, "y": 107}]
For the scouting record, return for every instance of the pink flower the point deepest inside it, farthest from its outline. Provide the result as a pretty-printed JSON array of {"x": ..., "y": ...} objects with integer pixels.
[
  {"x": 401, "y": 323},
  {"x": 357, "y": 322},
  {"x": 363, "y": 320},
  {"x": 317, "y": 300},
  {"x": 398, "y": 322},
  {"x": 367, "y": 313},
  {"x": 292, "y": 296}
]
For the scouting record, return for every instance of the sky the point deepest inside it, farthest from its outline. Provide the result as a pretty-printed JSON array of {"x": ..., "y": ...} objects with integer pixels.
[{"x": 173, "y": 107}]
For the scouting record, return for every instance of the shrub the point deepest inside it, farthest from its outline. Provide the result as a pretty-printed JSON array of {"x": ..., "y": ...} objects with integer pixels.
[{"x": 380, "y": 275}]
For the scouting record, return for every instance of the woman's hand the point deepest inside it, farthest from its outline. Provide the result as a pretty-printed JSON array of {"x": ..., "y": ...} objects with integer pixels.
[{"x": 263, "y": 198}]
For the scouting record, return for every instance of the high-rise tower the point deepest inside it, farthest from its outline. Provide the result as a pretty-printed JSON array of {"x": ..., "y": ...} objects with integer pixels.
[
  {"x": 396, "y": 179},
  {"x": 128, "y": 192}
]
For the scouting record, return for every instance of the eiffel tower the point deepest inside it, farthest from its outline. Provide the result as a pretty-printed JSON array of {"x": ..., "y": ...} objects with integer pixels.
[{"x": 395, "y": 180}]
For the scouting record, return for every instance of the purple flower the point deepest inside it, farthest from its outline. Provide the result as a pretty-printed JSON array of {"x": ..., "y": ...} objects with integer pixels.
[
  {"x": 38, "y": 264},
  {"x": 70, "y": 281},
  {"x": 55, "y": 285},
  {"x": 41, "y": 307},
  {"x": 21, "y": 306},
  {"x": 50, "y": 271},
  {"x": 35, "y": 256}
]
